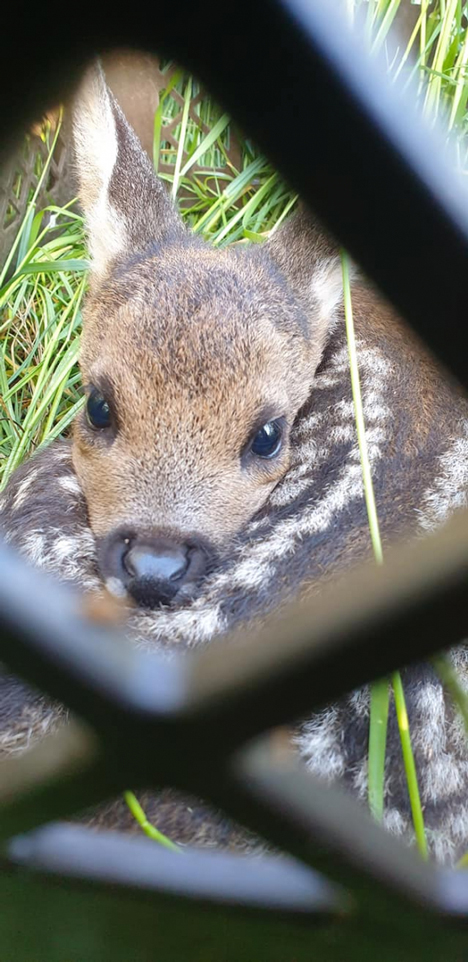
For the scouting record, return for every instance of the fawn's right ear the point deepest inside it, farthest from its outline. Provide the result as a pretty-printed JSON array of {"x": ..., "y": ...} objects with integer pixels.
[{"x": 126, "y": 206}]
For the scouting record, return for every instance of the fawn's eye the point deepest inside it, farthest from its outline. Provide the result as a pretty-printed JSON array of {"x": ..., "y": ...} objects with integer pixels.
[
  {"x": 98, "y": 410},
  {"x": 267, "y": 441}
]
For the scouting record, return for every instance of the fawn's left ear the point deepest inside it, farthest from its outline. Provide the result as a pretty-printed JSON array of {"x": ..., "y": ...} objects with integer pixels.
[
  {"x": 311, "y": 263},
  {"x": 126, "y": 206}
]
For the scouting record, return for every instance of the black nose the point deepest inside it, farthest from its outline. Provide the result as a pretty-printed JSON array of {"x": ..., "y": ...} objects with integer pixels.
[
  {"x": 165, "y": 564},
  {"x": 153, "y": 569},
  {"x": 156, "y": 573}
]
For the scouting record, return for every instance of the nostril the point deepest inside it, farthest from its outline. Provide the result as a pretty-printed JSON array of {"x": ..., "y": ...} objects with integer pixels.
[
  {"x": 167, "y": 564},
  {"x": 152, "y": 568}
]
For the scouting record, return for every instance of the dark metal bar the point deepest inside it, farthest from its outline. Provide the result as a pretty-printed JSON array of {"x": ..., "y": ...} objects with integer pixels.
[
  {"x": 63, "y": 774},
  {"x": 152, "y": 712},
  {"x": 325, "y": 828},
  {"x": 48, "y": 639},
  {"x": 368, "y": 623},
  {"x": 268, "y": 883},
  {"x": 223, "y": 699},
  {"x": 362, "y": 158}
]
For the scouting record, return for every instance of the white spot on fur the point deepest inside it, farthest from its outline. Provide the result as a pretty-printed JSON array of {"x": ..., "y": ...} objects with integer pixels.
[
  {"x": 62, "y": 452},
  {"x": 33, "y": 546},
  {"x": 208, "y": 624},
  {"x": 394, "y": 822},
  {"x": 189, "y": 626},
  {"x": 34, "y": 723},
  {"x": 64, "y": 548},
  {"x": 361, "y": 781},
  {"x": 442, "y": 842},
  {"x": 70, "y": 484},
  {"x": 319, "y": 744},
  {"x": 23, "y": 489},
  {"x": 359, "y": 701},
  {"x": 448, "y": 492},
  {"x": 324, "y": 382}
]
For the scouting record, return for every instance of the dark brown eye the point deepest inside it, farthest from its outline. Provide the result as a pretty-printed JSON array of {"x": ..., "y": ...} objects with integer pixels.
[
  {"x": 98, "y": 410},
  {"x": 268, "y": 440}
]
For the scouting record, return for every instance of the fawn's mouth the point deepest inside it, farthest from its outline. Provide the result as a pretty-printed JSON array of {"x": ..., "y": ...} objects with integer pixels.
[{"x": 153, "y": 568}]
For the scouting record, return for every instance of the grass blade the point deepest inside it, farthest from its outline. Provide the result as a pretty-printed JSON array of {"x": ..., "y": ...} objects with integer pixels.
[
  {"x": 206, "y": 143},
  {"x": 379, "y": 700},
  {"x": 378, "y": 719},
  {"x": 146, "y": 826},
  {"x": 31, "y": 204},
  {"x": 410, "y": 767},
  {"x": 379, "y": 690},
  {"x": 183, "y": 131}
]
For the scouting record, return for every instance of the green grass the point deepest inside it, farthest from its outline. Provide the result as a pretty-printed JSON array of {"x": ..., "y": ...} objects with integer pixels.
[
  {"x": 43, "y": 283},
  {"x": 150, "y": 830}
]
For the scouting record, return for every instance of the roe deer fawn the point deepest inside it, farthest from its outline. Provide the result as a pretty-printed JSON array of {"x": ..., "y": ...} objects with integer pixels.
[{"x": 214, "y": 472}]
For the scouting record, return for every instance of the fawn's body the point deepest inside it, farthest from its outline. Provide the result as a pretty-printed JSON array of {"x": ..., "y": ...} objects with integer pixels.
[{"x": 215, "y": 473}]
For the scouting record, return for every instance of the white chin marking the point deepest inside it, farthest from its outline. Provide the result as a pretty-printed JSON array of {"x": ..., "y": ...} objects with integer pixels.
[{"x": 116, "y": 588}]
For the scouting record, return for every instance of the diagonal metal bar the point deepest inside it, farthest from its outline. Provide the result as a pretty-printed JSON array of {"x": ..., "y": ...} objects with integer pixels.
[
  {"x": 200, "y": 729},
  {"x": 63, "y": 774},
  {"x": 364, "y": 625},
  {"x": 282, "y": 801},
  {"x": 57, "y": 641},
  {"x": 324, "y": 827},
  {"x": 153, "y": 715},
  {"x": 331, "y": 646},
  {"x": 363, "y": 158},
  {"x": 279, "y": 800},
  {"x": 269, "y": 883}
]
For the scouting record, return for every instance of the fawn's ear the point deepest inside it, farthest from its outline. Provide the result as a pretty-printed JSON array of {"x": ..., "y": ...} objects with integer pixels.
[
  {"x": 126, "y": 206},
  {"x": 310, "y": 262}
]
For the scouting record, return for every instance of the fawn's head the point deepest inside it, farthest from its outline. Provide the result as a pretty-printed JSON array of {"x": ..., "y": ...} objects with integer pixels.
[{"x": 195, "y": 362}]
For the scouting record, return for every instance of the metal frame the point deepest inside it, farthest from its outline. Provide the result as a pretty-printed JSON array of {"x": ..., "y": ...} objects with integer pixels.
[{"x": 197, "y": 723}]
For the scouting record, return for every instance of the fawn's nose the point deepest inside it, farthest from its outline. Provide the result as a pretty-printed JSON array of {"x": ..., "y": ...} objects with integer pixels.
[
  {"x": 155, "y": 572},
  {"x": 166, "y": 564},
  {"x": 151, "y": 569}
]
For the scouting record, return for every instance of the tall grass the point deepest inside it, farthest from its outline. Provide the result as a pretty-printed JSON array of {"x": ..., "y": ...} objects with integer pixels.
[{"x": 44, "y": 280}]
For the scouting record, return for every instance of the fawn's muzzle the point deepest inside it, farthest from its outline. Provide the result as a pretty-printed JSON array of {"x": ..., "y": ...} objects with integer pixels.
[{"x": 153, "y": 570}]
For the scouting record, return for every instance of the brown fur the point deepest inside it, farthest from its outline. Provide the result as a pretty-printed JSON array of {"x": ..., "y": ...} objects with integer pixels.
[
  {"x": 195, "y": 349},
  {"x": 185, "y": 420}
]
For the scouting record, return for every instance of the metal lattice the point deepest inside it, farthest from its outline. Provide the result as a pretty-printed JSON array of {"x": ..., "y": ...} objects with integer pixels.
[{"x": 199, "y": 723}]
